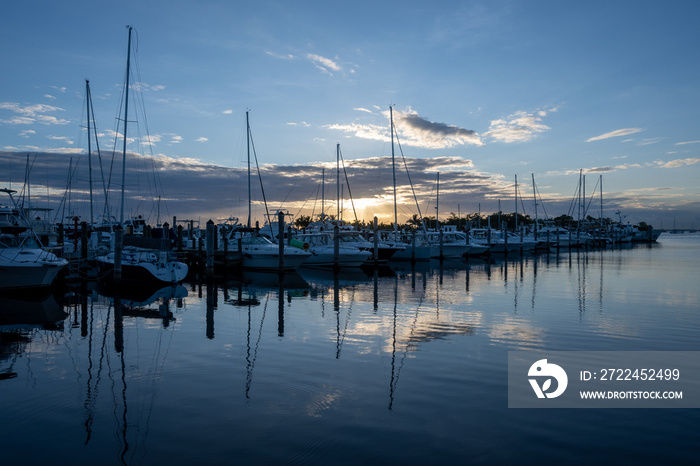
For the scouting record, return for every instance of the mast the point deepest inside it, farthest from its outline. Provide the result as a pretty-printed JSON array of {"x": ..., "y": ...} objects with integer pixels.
[
  {"x": 516, "y": 203},
  {"x": 534, "y": 195},
  {"x": 323, "y": 194},
  {"x": 337, "y": 180},
  {"x": 87, "y": 103},
  {"x": 393, "y": 167},
  {"x": 247, "y": 138},
  {"x": 601, "y": 200},
  {"x": 126, "y": 120},
  {"x": 437, "y": 204}
]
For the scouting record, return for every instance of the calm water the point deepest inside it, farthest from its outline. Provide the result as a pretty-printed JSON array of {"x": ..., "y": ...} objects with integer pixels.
[{"x": 408, "y": 366}]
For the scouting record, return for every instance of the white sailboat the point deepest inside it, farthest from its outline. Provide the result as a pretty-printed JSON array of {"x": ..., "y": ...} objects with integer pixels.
[
  {"x": 24, "y": 263},
  {"x": 138, "y": 265},
  {"x": 258, "y": 252},
  {"x": 412, "y": 250}
]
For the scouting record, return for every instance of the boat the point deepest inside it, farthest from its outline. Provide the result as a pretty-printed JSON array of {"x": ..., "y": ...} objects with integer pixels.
[
  {"x": 137, "y": 265},
  {"x": 144, "y": 266},
  {"x": 24, "y": 263},
  {"x": 322, "y": 249},
  {"x": 412, "y": 249},
  {"x": 259, "y": 253}
]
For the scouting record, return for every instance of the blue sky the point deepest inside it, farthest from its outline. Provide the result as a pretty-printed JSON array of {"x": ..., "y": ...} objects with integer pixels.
[{"x": 482, "y": 91}]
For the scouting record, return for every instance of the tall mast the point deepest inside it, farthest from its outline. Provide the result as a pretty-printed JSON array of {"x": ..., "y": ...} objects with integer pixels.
[
  {"x": 516, "y": 202},
  {"x": 337, "y": 180},
  {"x": 601, "y": 200},
  {"x": 87, "y": 103},
  {"x": 247, "y": 138},
  {"x": 323, "y": 194},
  {"x": 126, "y": 120},
  {"x": 437, "y": 204},
  {"x": 534, "y": 195},
  {"x": 393, "y": 167}
]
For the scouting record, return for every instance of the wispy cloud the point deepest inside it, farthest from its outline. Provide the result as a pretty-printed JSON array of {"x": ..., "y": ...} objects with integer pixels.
[
  {"x": 324, "y": 64},
  {"x": 615, "y": 134},
  {"x": 360, "y": 109},
  {"x": 201, "y": 139},
  {"x": 687, "y": 142},
  {"x": 519, "y": 127},
  {"x": 288, "y": 56},
  {"x": 30, "y": 114},
  {"x": 678, "y": 162}
]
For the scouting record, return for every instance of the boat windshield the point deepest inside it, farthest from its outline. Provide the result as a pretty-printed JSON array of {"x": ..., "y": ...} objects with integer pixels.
[
  {"x": 255, "y": 240},
  {"x": 26, "y": 242}
]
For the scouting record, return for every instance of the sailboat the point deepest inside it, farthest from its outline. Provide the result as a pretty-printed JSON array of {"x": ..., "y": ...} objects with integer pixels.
[
  {"x": 412, "y": 250},
  {"x": 24, "y": 263},
  {"x": 258, "y": 252},
  {"x": 136, "y": 264}
]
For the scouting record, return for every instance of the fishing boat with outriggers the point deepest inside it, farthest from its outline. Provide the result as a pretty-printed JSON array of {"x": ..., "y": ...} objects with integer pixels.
[{"x": 24, "y": 263}]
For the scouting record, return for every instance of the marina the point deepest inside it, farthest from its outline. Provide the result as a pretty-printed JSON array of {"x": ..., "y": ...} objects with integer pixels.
[{"x": 402, "y": 364}]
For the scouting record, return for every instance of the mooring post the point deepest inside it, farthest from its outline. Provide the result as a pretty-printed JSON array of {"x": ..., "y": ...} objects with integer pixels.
[
  {"x": 413, "y": 247},
  {"x": 225, "y": 241},
  {"x": 211, "y": 241},
  {"x": 84, "y": 236},
  {"x": 59, "y": 240},
  {"x": 336, "y": 248},
  {"x": 118, "y": 244},
  {"x": 442, "y": 244},
  {"x": 376, "y": 242},
  {"x": 280, "y": 239},
  {"x": 165, "y": 242}
]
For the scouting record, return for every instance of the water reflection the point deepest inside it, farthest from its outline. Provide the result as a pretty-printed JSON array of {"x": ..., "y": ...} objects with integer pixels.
[
  {"x": 409, "y": 341},
  {"x": 21, "y": 318}
]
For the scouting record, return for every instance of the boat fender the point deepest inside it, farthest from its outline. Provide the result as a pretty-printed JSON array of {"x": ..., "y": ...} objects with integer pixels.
[{"x": 299, "y": 244}]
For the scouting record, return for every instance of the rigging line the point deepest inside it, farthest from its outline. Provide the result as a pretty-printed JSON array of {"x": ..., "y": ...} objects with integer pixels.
[
  {"x": 97, "y": 145},
  {"x": 595, "y": 188},
  {"x": 304, "y": 204},
  {"x": 262, "y": 188},
  {"x": 415, "y": 198},
  {"x": 348, "y": 183}
]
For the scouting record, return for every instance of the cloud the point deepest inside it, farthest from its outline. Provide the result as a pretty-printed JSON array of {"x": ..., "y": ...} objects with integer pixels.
[
  {"x": 599, "y": 170},
  {"x": 363, "y": 131},
  {"x": 678, "y": 162},
  {"x": 616, "y": 133},
  {"x": 30, "y": 114},
  {"x": 687, "y": 142},
  {"x": 62, "y": 138},
  {"x": 323, "y": 63},
  {"x": 201, "y": 139},
  {"x": 521, "y": 126},
  {"x": 227, "y": 112},
  {"x": 144, "y": 87},
  {"x": 420, "y": 132},
  {"x": 288, "y": 56},
  {"x": 360, "y": 109},
  {"x": 413, "y": 130}
]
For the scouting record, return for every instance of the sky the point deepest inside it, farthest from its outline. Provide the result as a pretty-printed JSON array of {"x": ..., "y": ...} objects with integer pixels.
[{"x": 482, "y": 93}]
